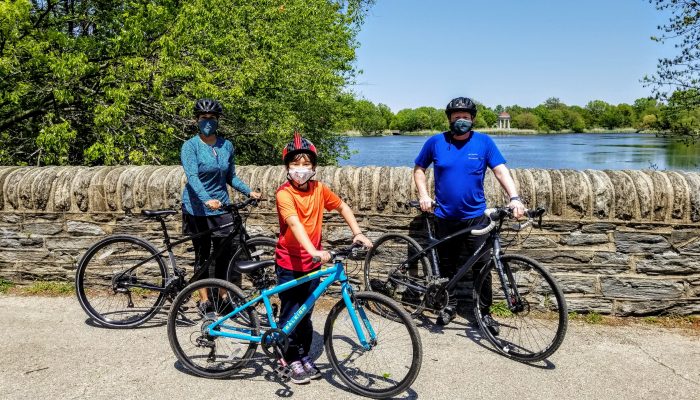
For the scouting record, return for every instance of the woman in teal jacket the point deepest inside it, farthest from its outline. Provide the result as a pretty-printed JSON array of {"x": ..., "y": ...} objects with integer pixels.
[{"x": 209, "y": 165}]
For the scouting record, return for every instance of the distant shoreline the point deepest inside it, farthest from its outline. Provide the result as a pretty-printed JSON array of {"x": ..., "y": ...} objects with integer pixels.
[{"x": 495, "y": 131}]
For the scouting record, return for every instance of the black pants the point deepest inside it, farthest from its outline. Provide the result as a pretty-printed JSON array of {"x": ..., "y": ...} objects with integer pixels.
[
  {"x": 292, "y": 300},
  {"x": 455, "y": 252},
  {"x": 192, "y": 224}
]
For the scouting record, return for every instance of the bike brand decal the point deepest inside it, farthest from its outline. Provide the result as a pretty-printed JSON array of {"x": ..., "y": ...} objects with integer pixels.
[{"x": 295, "y": 317}]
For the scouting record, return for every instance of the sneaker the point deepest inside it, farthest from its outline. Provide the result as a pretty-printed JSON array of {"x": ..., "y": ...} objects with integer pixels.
[
  {"x": 297, "y": 373},
  {"x": 446, "y": 316},
  {"x": 491, "y": 324},
  {"x": 205, "y": 307},
  {"x": 310, "y": 368}
]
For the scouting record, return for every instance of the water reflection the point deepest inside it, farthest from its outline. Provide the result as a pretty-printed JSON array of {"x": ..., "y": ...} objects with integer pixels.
[{"x": 567, "y": 151}]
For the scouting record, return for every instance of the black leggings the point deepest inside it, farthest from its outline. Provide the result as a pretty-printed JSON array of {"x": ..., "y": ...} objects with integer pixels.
[
  {"x": 292, "y": 299},
  {"x": 451, "y": 252}
]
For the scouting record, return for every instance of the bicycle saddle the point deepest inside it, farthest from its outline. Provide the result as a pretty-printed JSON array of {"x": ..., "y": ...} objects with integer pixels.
[
  {"x": 157, "y": 213},
  {"x": 246, "y": 267}
]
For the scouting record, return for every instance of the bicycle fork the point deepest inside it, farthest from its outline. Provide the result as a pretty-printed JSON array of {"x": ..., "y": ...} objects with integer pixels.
[
  {"x": 508, "y": 284},
  {"x": 359, "y": 319}
]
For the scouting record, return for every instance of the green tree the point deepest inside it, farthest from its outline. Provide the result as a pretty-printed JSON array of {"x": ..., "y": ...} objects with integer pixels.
[
  {"x": 595, "y": 109},
  {"x": 679, "y": 73},
  {"x": 99, "y": 82},
  {"x": 368, "y": 118},
  {"x": 526, "y": 120}
]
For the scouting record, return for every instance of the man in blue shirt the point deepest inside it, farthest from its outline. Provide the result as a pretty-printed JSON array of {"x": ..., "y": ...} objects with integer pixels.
[{"x": 460, "y": 157}]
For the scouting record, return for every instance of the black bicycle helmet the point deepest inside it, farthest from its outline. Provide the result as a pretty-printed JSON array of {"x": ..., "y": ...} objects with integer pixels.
[
  {"x": 208, "y": 106},
  {"x": 461, "y": 104}
]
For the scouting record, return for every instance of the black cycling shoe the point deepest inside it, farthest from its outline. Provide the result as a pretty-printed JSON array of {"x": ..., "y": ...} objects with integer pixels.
[
  {"x": 205, "y": 307},
  {"x": 446, "y": 315},
  {"x": 491, "y": 324}
]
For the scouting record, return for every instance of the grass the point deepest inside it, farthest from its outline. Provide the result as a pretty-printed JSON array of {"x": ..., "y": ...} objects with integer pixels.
[
  {"x": 500, "y": 309},
  {"x": 5, "y": 285},
  {"x": 48, "y": 288},
  {"x": 690, "y": 322}
]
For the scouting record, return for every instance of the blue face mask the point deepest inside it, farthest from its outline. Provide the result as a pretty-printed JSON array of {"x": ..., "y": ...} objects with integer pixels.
[
  {"x": 461, "y": 126},
  {"x": 208, "y": 126}
]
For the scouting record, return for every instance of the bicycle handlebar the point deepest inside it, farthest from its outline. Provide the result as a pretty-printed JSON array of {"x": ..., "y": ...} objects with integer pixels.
[
  {"x": 340, "y": 254},
  {"x": 242, "y": 204},
  {"x": 496, "y": 215}
]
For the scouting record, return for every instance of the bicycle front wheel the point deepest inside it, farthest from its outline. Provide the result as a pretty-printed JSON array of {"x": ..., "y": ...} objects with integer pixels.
[
  {"x": 528, "y": 322},
  {"x": 113, "y": 289},
  {"x": 391, "y": 362},
  {"x": 190, "y": 316},
  {"x": 387, "y": 271}
]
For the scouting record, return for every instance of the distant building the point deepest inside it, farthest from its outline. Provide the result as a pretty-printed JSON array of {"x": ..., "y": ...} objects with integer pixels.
[{"x": 504, "y": 120}]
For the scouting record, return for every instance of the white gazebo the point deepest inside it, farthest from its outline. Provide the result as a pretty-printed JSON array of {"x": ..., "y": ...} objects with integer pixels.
[{"x": 504, "y": 120}]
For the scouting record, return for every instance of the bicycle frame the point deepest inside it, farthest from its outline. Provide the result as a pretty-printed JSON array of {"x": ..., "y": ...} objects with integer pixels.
[
  {"x": 336, "y": 273},
  {"x": 492, "y": 242},
  {"x": 171, "y": 256}
]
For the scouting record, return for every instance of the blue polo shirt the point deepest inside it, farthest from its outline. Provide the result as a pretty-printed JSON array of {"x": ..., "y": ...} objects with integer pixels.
[{"x": 460, "y": 167}]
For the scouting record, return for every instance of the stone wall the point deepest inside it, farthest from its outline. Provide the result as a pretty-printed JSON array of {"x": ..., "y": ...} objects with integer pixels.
[{"x": 622, "y": 242}]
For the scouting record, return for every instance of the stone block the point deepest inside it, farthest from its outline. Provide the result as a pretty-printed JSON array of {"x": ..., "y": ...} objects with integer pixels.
[
  {"x": 642, "y": 289},
  {"x": 538, "y": 242},
  {"x": 584, "y": 239},
  {"x": 69, "y": 243},
  {"x": 43, "y": 228},
  {"x": 663, "y": 307},
  {"x": 79, "y": 228},
  {"x": 632, "y": 242},
  {"x": 35, "y": 255},
  {"x": 598, "y": 227},
  {"x": 668, "y": 263},
  {"x": 589, "y": 304},
  {"x": 576, "y": 284},
  {"x": 610, "y": 258}
]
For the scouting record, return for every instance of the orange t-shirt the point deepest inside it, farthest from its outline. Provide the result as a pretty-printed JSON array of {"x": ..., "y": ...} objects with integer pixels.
[{"x": 308, "y": 207}]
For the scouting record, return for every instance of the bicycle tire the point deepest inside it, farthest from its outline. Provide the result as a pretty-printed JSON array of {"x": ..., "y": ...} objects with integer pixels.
[
  {"x": 388, "y": 255},
  {"x": 374, "y": 305},
  {"x": 187, "y": 324},
  {"x": 101, "y": 257},
  {"x": 537, "y": 331}
]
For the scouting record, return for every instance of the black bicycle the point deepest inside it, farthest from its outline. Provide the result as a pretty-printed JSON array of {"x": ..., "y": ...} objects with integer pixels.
[
  {"x": 525, "y": 316},
  {"x": 123, "y": 281}
]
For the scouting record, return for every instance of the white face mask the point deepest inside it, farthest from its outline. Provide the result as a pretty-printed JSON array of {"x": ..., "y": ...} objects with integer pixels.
[{"x": 300, "y": 175}]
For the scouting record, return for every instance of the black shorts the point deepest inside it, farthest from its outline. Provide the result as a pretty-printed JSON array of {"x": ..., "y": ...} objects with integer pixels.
[{"x": 193, "y": 224}]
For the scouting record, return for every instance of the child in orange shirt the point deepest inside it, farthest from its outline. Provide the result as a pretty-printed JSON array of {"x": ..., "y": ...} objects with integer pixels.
[{"x": 300, "y": 204}]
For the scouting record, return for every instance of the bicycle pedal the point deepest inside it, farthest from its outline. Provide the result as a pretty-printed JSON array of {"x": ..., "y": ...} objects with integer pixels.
[{"x": 283, "y": 372}]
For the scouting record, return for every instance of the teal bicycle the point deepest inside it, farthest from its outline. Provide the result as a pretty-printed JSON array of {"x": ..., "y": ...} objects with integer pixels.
[{"x": 371, "y": 342}]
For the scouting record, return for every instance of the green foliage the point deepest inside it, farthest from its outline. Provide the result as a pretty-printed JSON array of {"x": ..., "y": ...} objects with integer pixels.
[
  {"x": 500, "y": 309},
  {"x": 420, "y": 119},
  {"x": 593, "y": 318},
  {"x": 95, "y": 82},
  {"x": 5, "y": 285},
  {"x": 677, "y": 78},
  {"x": 525, "y": 120},
  {"x": 50, "y": 288}
]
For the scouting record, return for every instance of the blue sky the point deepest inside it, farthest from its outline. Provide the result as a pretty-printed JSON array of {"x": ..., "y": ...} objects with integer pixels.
[{"x": 423, "y": 53}]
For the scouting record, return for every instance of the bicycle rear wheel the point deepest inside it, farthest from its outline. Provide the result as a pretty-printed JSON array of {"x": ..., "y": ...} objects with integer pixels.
[
  {"x": 388, "y": 272},
  {"x": 111, "y": 292},
  {"x": 530, "y": 331},
  {"x": 393, "y": 361},
  {"x": 205, "y": 355}
]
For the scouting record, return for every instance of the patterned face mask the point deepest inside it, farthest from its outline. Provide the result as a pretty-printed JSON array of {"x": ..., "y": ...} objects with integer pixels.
[
  {"x": 208, "y": 126},
  {"x": 300, "y": 175},
  {"x": 461, "y": 126}
]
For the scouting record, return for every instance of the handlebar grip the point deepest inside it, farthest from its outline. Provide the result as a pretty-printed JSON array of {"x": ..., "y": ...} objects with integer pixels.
[{"x": 316, "y": 259}]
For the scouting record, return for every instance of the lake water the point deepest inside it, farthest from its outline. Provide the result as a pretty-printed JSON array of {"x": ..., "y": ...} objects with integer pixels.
[{"x": 560, "y": 151}]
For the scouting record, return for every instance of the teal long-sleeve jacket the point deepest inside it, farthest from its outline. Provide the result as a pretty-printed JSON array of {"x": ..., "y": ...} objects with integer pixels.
[{"x": 208, "y": 170}]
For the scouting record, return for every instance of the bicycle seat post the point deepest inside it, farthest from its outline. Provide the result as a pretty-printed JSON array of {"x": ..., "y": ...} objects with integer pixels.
[{"x": 166, "y": 237}]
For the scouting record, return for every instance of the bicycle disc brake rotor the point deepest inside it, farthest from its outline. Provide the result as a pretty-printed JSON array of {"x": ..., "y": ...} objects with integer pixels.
[{"x": 274, "y": 338}]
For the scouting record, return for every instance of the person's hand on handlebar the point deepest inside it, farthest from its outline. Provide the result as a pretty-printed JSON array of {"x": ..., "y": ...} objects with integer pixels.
[
  {"x": 213, "y": 204},
  {"x": 321, "y": 254},
  {"x": 426, "y": 203},
  {"x": 517, "y": 207},
  {"x": 363, "y": 240},
  {"x": 255, "y": 195}
]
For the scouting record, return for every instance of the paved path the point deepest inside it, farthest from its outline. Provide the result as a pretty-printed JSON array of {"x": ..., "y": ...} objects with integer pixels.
[{"x": 49, "y": 350}]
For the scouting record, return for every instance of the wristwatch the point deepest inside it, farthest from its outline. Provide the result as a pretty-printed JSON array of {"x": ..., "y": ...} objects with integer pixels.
[{"x": 515, "y": 198}]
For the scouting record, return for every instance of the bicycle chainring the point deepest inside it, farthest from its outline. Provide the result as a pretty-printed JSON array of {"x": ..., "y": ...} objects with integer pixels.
[
  {"x": 274, "y": 339},
  {"x": 436, "y": 296}
]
